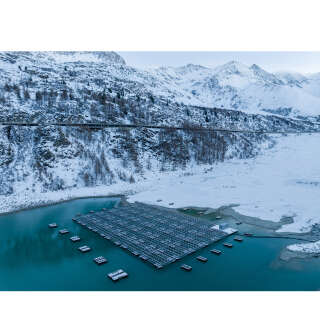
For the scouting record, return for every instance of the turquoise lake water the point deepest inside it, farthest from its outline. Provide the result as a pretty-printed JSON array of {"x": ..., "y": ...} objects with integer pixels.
[{"x": 34, "y": 257}]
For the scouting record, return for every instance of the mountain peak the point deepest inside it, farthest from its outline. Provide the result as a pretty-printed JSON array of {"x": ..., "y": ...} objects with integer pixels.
[
  {"x": 87, "y": 56},
  {"x": 266, "y": 77},
  {"x": 232, "y": 67},
  {"x": 255, "y": 67},
  {"x": 58, "y": 57},
  {"x": 192, "y": 67}
]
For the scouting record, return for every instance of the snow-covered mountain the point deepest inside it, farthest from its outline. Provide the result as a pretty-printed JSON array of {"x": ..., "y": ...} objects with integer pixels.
[
  {"x": 240, "y": 87},
  {"x": 99, "y": 86},
  {"x": 231, "y": 86}
]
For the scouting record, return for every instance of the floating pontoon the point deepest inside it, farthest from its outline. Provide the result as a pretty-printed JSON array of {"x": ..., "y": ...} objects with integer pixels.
[
  {"x": 75, "y": 239},
  {"x": 215, "y": 251},
  {"x": 117, "y": 275},
  {"x": 100, "y": 260},
  {"x": 202, "y": 259},
  {"x": 84, "y": 249},
  {"x": 186, "y": 267}
]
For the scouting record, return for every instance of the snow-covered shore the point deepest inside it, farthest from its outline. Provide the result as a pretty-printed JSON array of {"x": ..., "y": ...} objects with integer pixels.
[
  {"x": 16, "y": 202},
  {"x": 26, "y": 200},
  {"x": 308, "y": 248},
  {"x": 283, "y": 181}
]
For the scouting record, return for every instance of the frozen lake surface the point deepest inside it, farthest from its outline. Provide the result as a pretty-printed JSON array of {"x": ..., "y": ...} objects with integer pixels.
[{"x": 283, "y": 181}]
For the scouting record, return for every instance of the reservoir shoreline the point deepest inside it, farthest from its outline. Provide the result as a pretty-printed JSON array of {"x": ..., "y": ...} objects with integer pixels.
[
  {"x": 267, "y": 228},
  {"x": 35, "y": 257},
  {"x": 45, "y": 203},
  {"x": 30, "y": 249}
]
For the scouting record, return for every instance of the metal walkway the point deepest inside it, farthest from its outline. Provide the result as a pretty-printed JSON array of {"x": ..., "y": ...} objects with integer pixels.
[{"x": 100, "y": 125}]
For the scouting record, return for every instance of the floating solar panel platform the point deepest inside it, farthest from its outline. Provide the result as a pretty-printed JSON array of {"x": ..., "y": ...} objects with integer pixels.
[
  {"x": 202, "y": 259},
  {"x": 154, "y": 234},
  {"x": 117, "y": 275},
  {"x": 63, "y": 231},
  {"x": 75, "y": 239},
  {"x": 84, "y": 249},
  {"x": 186, "y": 267},
  {"x": 100, "y": 260}
]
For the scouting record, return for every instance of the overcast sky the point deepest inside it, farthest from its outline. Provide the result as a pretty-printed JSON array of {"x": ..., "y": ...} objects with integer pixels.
[{"x": 304, "y": 62}]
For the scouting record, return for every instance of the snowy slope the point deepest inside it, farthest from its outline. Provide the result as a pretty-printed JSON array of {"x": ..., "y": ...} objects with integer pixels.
[
  {"x": 284, "y": 181},
  {"x": 247, "y": 88},
  {"x": 231, "y": 86},
  {"x": 99, "y": 86}
]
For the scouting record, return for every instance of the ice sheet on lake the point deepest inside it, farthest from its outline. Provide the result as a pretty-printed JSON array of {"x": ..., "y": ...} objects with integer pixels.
[
  {"x": 305, "y": 247},
  {"x": 280, "y": 182}
]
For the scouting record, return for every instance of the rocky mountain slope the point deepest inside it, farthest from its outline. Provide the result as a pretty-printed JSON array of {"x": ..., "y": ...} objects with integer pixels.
[
  {"x": 230, "y": 86},
  {"x": 247, "y": 88},
  {"x": 99, "y": 86}
]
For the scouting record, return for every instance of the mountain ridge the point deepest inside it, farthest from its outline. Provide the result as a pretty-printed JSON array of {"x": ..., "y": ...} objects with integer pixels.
[
  {"x": 45, "y": 158},
  {"x": 232, "y": 85}
]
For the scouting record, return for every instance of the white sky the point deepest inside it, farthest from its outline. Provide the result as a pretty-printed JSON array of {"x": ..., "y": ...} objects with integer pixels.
[{"x": 303, "y": 62}]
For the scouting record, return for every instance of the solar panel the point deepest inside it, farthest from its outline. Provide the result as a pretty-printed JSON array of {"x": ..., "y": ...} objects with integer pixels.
[{"x": 159, "y": 236}]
